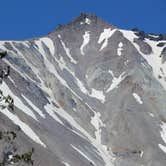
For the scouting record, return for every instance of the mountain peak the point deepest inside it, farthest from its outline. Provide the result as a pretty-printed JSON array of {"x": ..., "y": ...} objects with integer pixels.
[
  {"x": 84, "y": 20},
  {"x": 85, "y": 16}
]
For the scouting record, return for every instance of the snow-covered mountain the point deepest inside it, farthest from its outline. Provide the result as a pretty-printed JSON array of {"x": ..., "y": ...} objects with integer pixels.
[{"x": 88, "y": 94}]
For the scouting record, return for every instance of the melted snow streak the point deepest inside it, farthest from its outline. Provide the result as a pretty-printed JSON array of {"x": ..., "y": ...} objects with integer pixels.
[
  {"x": 67, "y": 50},
  {"x": 66, "y": 164},
  {"x": 63, "y": 65},
  {"x": 105, "y": 37},
  {"x": 163, "y": 131},
  {"x": 162, "y": 147},
  {"x": 86, "y": 39},
  {"x": 115, "y": 81},
  {"x": 137, "y": 98},
  {"x": 98, "y": 124},
  {"x": 48, "y": 42},
  {"x": 50, "y": 110},
  {"x": 36, "y": 109},
  {"x": 82, "y": 154},
  {"x": 25, "y": 128}
]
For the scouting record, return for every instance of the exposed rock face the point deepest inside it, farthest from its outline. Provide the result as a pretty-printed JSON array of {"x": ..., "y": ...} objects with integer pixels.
[
  {"x": 163, "y": 55},
  {"x": 88, "y": 94},
  {"x": 144, "y": 47}
]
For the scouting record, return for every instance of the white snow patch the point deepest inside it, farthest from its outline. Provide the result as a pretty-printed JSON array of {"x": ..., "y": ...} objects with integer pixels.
[
  {"x": 61, "y": 62},
  {"x": 120, "y": 44},
  {"x": 142, "y": 153},
  {"x": 87, "y": 21},
  {"x": 163, "y": 131},
  {"x": 83, "y": 154},
  {"x": 98, "y": 94},
  {"x": 115, "y": 81},
  {"x": 67, "y": 50},
  {"x": 81, "y": 86},
  {"x": 120, "y": 49},
  {"x": 11, "y": 80},
  {"x": 126, "y": 62},
  {"x": 156, "y": 36},
  {"x": 86, "y": 40},
  {"x": 129, "y": 35},
  {"x": 34, "y": 107},
  {"x": 26, "y": 44},
  {"x": 25, "y": 128},
  {"x": 137, "y": 98},
  {"x": 66, "y": 164},
  {"x": 49, "y": 109},
  {"x": 98, "y": 124},
  {"x": 17, "y": 102},
  {"x": 10, "y": 157},
  {"x": 162, "y": 147},
  {"x": 49, "y": 43},
  {"x": 152, "y": 115},
  {"x": 40, "y": 47},
  {"x": 74, "y": 109},
  {"x": 2, "y": 45},
  {"x": 105, "y": 36}
]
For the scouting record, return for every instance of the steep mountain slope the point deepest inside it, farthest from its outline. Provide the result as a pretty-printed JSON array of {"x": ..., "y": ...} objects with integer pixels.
[{"x": 88, "y": 94}]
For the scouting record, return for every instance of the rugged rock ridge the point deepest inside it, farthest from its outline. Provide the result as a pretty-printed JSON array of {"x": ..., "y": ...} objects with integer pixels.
[
  {"x": 89, "y": 94},
  {"x": 84, "y": 20}
]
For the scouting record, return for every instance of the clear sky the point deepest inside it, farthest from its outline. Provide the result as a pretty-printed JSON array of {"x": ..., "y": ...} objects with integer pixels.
[{"x": 22, "y": 19}]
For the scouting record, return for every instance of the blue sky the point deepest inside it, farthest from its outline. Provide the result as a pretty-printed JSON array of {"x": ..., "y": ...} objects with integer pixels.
[{"x": 22, "y": 19}]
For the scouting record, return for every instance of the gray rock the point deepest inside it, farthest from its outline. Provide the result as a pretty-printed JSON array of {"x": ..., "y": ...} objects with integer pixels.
[
  {"x": 144, "y": 47},
  {"x": 163, "y": 55}
]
